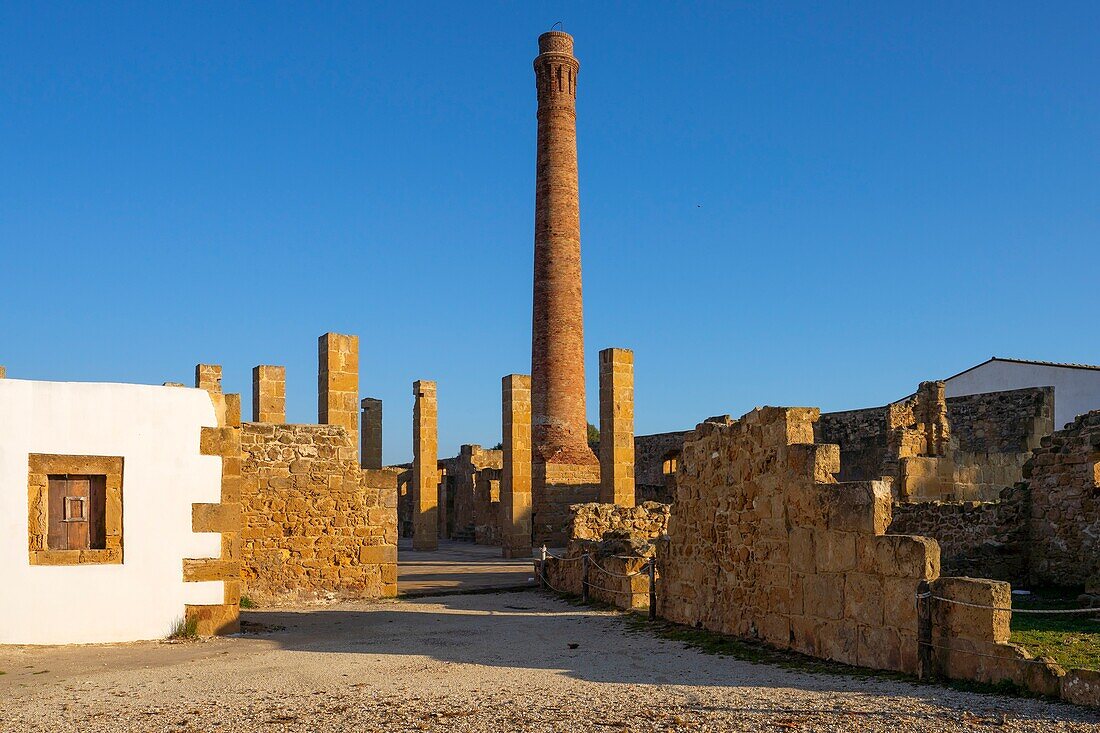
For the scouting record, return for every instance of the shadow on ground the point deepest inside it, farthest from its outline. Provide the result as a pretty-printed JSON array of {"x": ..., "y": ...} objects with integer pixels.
[{"x": 534, "y": 630}]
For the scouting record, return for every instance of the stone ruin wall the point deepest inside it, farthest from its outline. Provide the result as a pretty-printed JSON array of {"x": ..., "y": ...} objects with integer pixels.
[
  {"x": 468, "y": 507},
  {"x": 981, "y": 539},
  {"x": 764, "y": 544},
  {"x": 862, "y": 437},
  {"x": 618, "y": 541},
  {"x": 650, "y": 451},
  {"x": 647, "y": 521},
  {"x": 970, "y": 627},
  {"x": 1042, "y": 531},
  {"x": 487, "y": 511},
  {"x": 970, "y": 453},
  {"x": 1064, "y": 480},
  {"x": 314, "y": 522}
]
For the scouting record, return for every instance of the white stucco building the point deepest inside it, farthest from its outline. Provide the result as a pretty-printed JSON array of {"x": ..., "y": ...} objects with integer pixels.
[
  {"x": 1076, "y": 386},
  {"x": 97, "y": 483}
]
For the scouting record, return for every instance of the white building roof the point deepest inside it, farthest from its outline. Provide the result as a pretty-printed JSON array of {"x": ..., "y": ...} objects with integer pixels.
[{"x": 1061, "y": 365}]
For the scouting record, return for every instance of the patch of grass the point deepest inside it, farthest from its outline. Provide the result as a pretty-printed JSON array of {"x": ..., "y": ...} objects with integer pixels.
[
  {"x": 1071, "y": 640},
  {"x": 723, "y": 646},
  {"x": 247, "y": 602},
  {"x": 185, "y": 628}
]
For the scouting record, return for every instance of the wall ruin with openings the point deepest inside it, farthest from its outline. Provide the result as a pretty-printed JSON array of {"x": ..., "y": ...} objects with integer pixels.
[{"x": 468, "y": 508}]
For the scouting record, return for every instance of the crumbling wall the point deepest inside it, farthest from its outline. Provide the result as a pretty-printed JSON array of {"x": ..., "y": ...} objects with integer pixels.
[
  {"x": 978, "y": 539},
  {"x": 651, "y": 482},
  {"x": 647, "y": 521},
  {"x": 1012, "y": 421},
  {"x": 862, "y": 437},
  {"x": 618, "y": 542},
  {"x": 469, "y": 506},
  {"x": 314, "y": 523},
  {"x": 764, "y": 544},
  {"x": 1064, "y": 479},
  {"x": 969, "y": 638},
  {"x": 487, "y": 527},
  {"x": 931, "y": 448}
]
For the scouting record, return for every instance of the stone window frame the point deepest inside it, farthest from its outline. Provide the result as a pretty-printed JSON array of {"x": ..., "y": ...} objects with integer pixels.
[{"x": 40, "y": 466}]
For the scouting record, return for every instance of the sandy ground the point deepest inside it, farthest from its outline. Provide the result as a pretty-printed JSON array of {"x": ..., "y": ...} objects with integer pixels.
[{"x": 520, "y": 661}]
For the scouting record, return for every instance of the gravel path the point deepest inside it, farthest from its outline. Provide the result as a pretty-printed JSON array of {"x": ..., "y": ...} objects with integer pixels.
[{"x": 504, "y": 662}]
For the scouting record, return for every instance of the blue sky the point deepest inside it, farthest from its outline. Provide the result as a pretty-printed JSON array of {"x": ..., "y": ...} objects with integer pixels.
[{"x": 813, "y": 204}]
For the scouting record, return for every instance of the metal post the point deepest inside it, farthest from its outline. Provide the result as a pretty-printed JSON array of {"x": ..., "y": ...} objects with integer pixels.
[
  {"x": 584, "y": 577},
  {"x": 925, "y": 660},
  {"x": 542, "y": 568},
  {"x": 652, "y": 589}
]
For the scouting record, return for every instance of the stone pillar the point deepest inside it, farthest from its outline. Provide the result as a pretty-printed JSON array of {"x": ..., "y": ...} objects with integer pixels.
[
  {"x": 269, "y": 394},
  {"x": 425, "y": 467},
  {"x": 209, "y": 377},
  {"x": 617, "y": 427},
  {"x": 3, "y": 373},
  {"x": 515, "y": 482},
  {"x": 338, "y": 383},
  {"x": 370, "y": 454}
]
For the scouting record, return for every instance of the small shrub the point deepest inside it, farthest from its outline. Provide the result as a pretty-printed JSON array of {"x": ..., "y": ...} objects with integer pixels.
[
  {"x": 247, "y": 602},
  {"x": 185, "y": 628}
]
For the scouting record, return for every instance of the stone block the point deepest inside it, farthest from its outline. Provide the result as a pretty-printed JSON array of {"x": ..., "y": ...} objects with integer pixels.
[{"x": 378, "y": 554}]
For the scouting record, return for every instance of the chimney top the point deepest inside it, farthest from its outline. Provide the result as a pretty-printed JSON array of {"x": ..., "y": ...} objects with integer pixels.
[{"x": 556, "y": 42}]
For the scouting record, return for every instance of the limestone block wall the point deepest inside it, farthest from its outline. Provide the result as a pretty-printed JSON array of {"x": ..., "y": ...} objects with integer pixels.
[
  {"x": 1064, "y": 480},
  {"x": 616, "y": 572},
  {"x": 764, "y": 544},
  {"x": 314, "y": 522},
  {"x": 862, "y": 437},
  {"x": 1002, "y": 422},
  {"x": 970, "y": 629},
  {"x": 650, "y": 453},
  {"x": 980, "y": 539},
  {"x": 594, "y": 521},
  {"x": 970, "y": 452},
  {"x": 487, "y": 514},
  {"x": 462, "y": 473}
]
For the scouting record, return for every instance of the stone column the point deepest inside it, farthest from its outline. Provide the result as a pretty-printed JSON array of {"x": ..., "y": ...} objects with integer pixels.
[
  {"x": 371, "y": 453},
  {"x": 209, "y": 377},
  {"x": 515, "y": 482},
  {"x": 425, "y": 467},
  {"x": 617, "y": 427},
  {"x": 3, "y": 373},
  {"x": 338, "y": 383},
  {"x": 269, "y": 394}
]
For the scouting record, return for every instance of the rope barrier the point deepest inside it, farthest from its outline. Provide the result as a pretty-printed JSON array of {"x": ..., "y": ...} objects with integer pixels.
[
  {"x": 609, "y": 590},
  {"x": 1012, "y": 610},
  {"x": 613, "y": 575},
  {"x": 564, "y": 559},
  {"x": 980, "y": 654}
]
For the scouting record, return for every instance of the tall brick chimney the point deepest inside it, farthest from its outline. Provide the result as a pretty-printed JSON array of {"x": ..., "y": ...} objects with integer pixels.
[
  {"x": 564, "y": 469},
  {"x": 559, "y": 422}
]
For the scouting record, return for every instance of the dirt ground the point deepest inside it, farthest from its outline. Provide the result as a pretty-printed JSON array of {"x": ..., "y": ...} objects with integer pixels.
[{"x": 518, "y": 661}]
